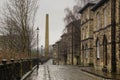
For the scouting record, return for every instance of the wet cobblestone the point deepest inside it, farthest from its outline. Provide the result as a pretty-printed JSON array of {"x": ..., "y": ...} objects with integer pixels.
[
  {"x": 67, "y": 73},
  {"x": 59, "y": 72}
]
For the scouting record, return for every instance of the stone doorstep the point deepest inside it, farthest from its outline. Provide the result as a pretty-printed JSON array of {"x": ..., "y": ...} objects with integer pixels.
[
  {"x": 28, "y": 73},
  {"x": 112, "y": 77}
]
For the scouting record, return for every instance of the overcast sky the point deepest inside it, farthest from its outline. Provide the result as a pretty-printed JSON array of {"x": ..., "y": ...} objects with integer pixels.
[{"x": 55, "y": 9}]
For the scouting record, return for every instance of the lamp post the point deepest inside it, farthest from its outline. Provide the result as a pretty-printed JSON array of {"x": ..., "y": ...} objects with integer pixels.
[
  {"x": 37, "y": 47},
  {"x": 72, "y": 46}
]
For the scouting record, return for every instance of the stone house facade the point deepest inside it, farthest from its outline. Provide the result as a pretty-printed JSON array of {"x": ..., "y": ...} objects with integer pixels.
[
  {"x": 73, "y": 35},
  {"x": 102, "y": 35},
  {"x": 100, "y": 31},
  {"x": 106, "y": 36},
  {"x": 68, "y": 47},
  {"x": 87, "y": 34},
  {"x": 57, "y": 52},
  {"x": 64, "y": 48},
  {"x": 99, "y": 37},
  {"x": 54, "y": 55}
]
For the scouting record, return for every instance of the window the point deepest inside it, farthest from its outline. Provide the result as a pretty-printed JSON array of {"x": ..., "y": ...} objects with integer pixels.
[
  {"x": 98, "y": 49},
  {"x": 86, "y": 52},
  {"x": 98, "y": 21},
  {"x": 87, "y": 32},
  {"x": 83, "y": 33},
  {"x": 105, "y": 50},
  {"x": 105, "y": 18},
  {"x": 87, "y": 16}
]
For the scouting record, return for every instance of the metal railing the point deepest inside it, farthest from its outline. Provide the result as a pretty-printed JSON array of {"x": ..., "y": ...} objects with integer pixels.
[{"x": 15, "y": 70}]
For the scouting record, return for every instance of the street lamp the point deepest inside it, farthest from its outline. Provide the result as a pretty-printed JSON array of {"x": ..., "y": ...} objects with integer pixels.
[
  {"x": 37, "y": 47},
  {"x": 37, "y": 41},
  {"x": 72, "y": 46}
]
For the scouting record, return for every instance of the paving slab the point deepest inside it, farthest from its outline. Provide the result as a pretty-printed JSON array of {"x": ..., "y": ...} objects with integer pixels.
[{"x": 59, "y": 72}]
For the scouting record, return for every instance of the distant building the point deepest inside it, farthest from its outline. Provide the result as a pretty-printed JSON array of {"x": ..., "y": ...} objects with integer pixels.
[
  {"x": 56, "y": 53},
  {"x": 68, "y": 47},
  {"x": 73, "y": 41}
]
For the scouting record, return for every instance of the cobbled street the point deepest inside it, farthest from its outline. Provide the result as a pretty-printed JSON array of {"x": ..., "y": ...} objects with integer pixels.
[{"x": 59, "y": 72}]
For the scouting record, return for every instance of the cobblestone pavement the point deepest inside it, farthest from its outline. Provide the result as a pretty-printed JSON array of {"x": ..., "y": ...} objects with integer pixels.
[{"x": 59, "y": 72}]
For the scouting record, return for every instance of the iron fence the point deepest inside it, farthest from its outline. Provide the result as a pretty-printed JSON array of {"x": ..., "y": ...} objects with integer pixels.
[{"x": 15, "y": 70}]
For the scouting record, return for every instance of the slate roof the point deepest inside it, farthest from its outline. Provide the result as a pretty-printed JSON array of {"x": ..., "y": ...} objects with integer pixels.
[
  {"x": 100, "y": 3},
  {"x": 86, "y": 6}
]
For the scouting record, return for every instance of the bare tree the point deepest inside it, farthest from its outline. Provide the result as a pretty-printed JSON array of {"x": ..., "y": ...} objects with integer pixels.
[
  {"x": 73, "y": 14},
  {"x": 17, "y": 24}
]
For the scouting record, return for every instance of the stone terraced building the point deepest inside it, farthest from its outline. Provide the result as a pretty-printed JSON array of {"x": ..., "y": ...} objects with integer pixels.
[
  {"x": 100, "y": 23},
  {"x": 99, "y": 34},
  {"x": 87, "y": 34}
]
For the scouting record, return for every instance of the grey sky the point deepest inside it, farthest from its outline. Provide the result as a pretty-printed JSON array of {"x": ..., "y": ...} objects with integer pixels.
[{"x": 55, "y": 9}]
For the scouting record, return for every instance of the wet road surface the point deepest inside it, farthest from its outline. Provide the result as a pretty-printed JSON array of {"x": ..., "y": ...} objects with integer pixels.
[{"x": 59, "y": 72}]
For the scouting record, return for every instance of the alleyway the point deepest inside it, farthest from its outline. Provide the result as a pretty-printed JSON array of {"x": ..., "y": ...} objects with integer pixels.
[{"x": 59, "y": 72}]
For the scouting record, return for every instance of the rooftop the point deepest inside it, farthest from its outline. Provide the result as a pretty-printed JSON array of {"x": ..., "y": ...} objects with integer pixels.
[
  {"x": 86, "y": 6},
  {"x": 100, "y": 3}
]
